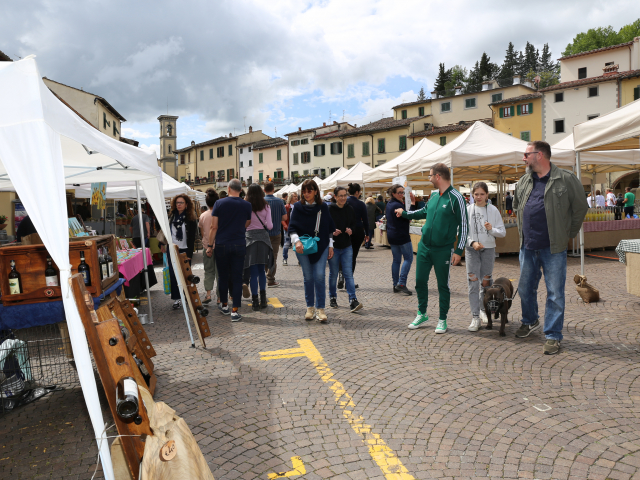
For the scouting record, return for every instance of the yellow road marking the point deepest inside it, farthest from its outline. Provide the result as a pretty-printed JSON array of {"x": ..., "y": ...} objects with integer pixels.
[
  {"x": 298, "y": 469},
  {"x": 274, "y": 302},
  {"x": 382, "y": 454}
]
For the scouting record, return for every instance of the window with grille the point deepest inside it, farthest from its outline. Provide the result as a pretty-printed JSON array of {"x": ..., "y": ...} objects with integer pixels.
[
  {"x": 558, "y": 126},
  {"x": 582, "y": 73},
  {"x": 559, "y": 97},
  {"x": 593, "y": 91}
]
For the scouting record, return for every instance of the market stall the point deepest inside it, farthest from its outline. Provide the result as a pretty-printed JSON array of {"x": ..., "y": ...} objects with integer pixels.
[{"x": 43, "y": 146}]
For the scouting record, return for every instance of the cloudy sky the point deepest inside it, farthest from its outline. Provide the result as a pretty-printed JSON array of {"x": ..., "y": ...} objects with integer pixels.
[{"x": 278, "y": 64}]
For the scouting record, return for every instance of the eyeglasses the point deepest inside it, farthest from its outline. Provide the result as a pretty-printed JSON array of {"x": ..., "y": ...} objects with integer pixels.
[
  {"x": 433, "y": 174},
  {"x": 400, "y": 192},
  {"x": 526, "y": 154},
  {"x": 181, "y": 203}
]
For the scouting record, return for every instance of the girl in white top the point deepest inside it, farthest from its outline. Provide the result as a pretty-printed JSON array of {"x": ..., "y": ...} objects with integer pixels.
[
  {"x": 485, "y": 224},
  {"x": 599, "y": 199}
]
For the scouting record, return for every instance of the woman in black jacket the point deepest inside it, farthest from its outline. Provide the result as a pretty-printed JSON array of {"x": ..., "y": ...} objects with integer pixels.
[
  {"x": 183, "y": 224},
  {"x": 345, "y": 219},
  {"x": 399, "y": 240},
  {"x": 360, "y": 232}
]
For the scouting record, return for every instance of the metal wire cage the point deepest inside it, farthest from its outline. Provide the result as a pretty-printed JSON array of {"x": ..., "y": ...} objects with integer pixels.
[{"x": 34, "y": 357}]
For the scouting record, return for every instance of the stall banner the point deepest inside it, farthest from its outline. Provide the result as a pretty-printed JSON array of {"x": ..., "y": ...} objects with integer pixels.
[
  {"x": 99, "y": 195},
  {"x": 402, "y": 180}
]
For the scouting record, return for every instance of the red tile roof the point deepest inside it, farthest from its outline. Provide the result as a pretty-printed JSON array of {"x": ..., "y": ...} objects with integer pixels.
[
  {"x": 269, "y": 143},
  {"x": 408, "y": 104},
  {"x": 630, "y": 74},
  {"x": 456, "y": 127},
  {"x": 204, "y": 144},
  {"x": 381, "y": 125},
  {"x": 597, "y": 50},
  {"x": 585, "y": 81},
  {"x": 521, "y": 98},
  {"x": 315, "y": 128}
]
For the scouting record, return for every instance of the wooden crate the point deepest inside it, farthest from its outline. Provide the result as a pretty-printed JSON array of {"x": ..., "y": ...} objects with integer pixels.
[{"x": 31, "y": 261}]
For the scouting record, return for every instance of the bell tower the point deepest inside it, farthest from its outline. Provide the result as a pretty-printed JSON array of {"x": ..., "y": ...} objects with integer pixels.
[{"x": 168, "y": 145}]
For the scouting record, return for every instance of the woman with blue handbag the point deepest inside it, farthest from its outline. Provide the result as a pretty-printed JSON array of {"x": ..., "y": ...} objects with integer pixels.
[{"x": 311, "y": 230}]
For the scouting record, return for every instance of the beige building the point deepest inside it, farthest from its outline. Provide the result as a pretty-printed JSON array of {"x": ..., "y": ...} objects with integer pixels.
[
  {"x": 626, "y": 56},
  {"x": 312, "y": 153},
  {"x": 444, "y": 135},
  {"x": 93, "y": 108},
  {"x": 270, "y": 160},
  {"x": 419, "y": 108},
  {"x": 214, "y": 162}
]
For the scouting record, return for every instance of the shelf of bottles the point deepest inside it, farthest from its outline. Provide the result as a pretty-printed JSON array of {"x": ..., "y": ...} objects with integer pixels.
[{"x": 29, "y": 275}]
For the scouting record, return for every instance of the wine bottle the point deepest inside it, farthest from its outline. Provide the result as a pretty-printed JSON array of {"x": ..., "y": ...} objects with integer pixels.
[
  {"x": 127, "y": 398},
  {"x": 84, "y": 269},
  {"x": 15, "y": 281},
  {"x": 143, "y": 369},
  {"x": 50, "y": 275},
  {"x": 104, "y": 269},
  {"x": 193, "y": 279},
  {"x": 109, "y": 263}
]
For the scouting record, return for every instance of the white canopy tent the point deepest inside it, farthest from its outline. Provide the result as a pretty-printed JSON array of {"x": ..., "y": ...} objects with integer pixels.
[
  {"x": 621, "y": 124},
  {"x": 387, "y": 171},
  {"x": 327, "y": 181},
  {"x": 353, "y": 175},
  {"x": 43, "y": 146},
  {"x": 602, "y": 161}
]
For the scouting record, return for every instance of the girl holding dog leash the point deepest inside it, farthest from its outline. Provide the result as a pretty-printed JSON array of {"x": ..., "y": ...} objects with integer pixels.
[{"x": 485, "y": 224}]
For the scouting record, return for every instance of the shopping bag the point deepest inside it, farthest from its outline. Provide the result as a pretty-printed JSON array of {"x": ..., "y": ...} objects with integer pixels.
[{"x": 166, "y": 278}]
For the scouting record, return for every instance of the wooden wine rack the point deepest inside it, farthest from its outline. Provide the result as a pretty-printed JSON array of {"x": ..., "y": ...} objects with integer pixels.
[{"x": 192, "y": 297}]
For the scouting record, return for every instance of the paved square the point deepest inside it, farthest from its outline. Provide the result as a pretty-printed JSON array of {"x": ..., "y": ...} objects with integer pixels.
[{"x": 378, "y": 399}]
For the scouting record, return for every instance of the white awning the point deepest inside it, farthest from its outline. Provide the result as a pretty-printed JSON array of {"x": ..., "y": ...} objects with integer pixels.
[{"x": 615, "y": 126}]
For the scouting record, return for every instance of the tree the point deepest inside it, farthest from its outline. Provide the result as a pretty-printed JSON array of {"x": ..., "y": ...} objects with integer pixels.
[
  {"x": 546, "y": 62},
  {"x": 458, "y": 77},
  {"x": 488, "y": 70},
  {"x": 474, "y": 83},
  {"x": 509, "y": 66},
  {"x": 530, "y": 60},
  {"x": 629, "y": 32},
  {"x": 444, "y": 76},
  {"x": 598, "y": 38},
  {"x": 421, "y": 96}
]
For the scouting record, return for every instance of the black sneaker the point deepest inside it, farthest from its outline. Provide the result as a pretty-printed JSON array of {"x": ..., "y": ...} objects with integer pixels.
[
  {"x": 355, "y": 305},
  {"x": 357, "y": 286},
  {"x": 224, "y": 309},
  {"x": 403, "y": 289},
  {"x": 333, "y": 302},
  {"x": 525, "y": 330},
  {"x": 340, "y": 281},
  {"x": 177, "y": 304}
]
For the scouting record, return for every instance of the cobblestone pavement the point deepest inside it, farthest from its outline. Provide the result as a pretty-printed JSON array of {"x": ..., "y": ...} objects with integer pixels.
[{"x": 381, "y": 398}]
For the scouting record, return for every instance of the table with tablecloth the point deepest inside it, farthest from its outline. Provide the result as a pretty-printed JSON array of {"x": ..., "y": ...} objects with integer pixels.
[
  {"x": 130, "y": 265},
  {"x": 629, "y": 253}
]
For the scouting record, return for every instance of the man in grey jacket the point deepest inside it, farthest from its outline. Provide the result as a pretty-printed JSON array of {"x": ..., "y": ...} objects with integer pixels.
[{"x": 550, "y": 206}]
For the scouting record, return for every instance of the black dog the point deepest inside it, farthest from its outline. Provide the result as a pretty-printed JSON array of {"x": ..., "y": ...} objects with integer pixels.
[{"x": 497, "y": 301}]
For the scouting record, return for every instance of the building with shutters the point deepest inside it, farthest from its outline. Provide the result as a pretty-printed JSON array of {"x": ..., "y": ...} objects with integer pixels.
[
  {"x": 245, "y": 157},
  {"x": 93, "y": 108},
  {"x": 629, "y": 87},
  {"x": 270, "y": 161},
  {"x": 305, "y": 160},
  {"x": 419, "y": 108},
  {"x": 444, "y": 135},
  {"x": 520, "y": 117},
  {"x": 215, "y": 162}
]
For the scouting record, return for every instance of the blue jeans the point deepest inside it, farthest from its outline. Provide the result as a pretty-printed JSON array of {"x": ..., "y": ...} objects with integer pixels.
[
  {"x": 230, "y": 263},
  {"x": 287, "y": 246},
  {"x": 342, "y": 257},
  {"x": 257, "y": 276},
  {"x": 314, "y": 276},
  {"x": 398, "y": 251},
  {"x": 370, "y": 242},
  {"x": 554, "y": 266}
]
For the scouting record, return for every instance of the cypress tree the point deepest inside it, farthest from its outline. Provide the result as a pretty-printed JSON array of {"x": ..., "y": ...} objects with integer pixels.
[{"x": 421, "y": 95}]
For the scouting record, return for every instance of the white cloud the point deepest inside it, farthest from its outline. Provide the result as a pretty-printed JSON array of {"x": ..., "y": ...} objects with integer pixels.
[
  {"x": 154, "y": 146},
  {"x": 137, "y": 134}
]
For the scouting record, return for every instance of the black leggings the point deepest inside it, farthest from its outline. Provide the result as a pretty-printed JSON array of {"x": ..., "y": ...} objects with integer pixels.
[{"x": 357, "y": 237}]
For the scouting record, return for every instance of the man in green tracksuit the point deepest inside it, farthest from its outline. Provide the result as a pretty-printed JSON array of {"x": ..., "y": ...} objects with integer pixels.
[{"x": 446, "y": 215}]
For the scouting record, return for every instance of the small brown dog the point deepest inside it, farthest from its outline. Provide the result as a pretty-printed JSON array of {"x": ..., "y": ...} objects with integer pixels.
[{"x": 497, "y": 301}]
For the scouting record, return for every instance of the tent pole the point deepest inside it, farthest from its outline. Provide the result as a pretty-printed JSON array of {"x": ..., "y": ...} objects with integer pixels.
[
  {"x": 144, "y": 252},
  {"x": 579, "y": 174}
]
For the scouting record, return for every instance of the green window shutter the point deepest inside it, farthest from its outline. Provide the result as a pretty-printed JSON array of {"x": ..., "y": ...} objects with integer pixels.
[
  {"x": 381, "y": 145},
  {"x": 260, "y": 176},
  {"x": 501, "y": 112},
  {"x": 230, "y": 150},
  {"x": 421, "y": 111},
  {"x": 443, "y": 141},
  {"x": 404, "y": 114},
  {"x": 365, "y": 149},
  {"x": 350, "y": 151},
  {"x": 636, "y": 93},
  {"x": 260, "y": 158},
  {"x": 519, "y": 110},
  {"x": 279, "y": 155},
  {"x": 530, "y": 108},
  {"x": 403, "y": 143},
  {"x": 512, "y": 110}
]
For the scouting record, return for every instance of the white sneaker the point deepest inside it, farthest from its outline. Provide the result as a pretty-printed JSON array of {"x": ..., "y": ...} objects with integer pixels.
[
  {"x": 475, "y": 324},
  {"x": 483, "y": 317}
]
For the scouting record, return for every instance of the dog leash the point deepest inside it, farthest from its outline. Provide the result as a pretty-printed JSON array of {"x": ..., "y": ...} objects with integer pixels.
[{"x": 514, "y": 296}]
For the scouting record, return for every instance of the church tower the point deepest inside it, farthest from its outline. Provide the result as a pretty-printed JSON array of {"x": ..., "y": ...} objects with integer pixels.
[{"x": 168, "y": 145}]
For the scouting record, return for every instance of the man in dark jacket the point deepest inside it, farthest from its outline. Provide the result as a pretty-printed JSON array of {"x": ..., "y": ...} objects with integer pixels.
[
  {"x": 399, "y": 240},
  {"x": 550, "y": 206}
]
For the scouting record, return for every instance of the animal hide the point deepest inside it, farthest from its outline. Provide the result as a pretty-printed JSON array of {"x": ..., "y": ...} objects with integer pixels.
[{"x": 587, "y": 292}]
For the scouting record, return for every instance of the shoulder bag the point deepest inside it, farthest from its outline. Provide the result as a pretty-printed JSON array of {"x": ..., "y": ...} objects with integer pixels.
[{"x": 310, "y": 244}]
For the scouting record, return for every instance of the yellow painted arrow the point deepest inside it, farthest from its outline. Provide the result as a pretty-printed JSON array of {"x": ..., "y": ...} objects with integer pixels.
[{"x": 298, "y": 469}]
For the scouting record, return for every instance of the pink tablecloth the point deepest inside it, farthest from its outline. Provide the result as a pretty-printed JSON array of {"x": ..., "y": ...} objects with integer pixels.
[
  {"x": 131, "y": 267},
  {"x": 607, "y": 225}
]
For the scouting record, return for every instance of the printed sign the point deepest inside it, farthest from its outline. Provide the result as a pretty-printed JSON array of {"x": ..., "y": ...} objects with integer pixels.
[
  {"x": 99, "y": 195},
  {"x": 402, "y": 180}
]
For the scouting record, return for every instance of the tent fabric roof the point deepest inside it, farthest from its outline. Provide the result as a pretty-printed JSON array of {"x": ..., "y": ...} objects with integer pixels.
[
  {"x": 620, "y": 124},
  {"x": 388, "y": 170},
  {"x": 601, "y": 161},
  {"x": 480, "y": 153},
  {"x": 338, "y": 173},
  {"x": 353, "y": 175}
]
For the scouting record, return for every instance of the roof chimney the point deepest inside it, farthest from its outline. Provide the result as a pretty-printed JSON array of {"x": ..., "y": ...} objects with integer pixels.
[
  {"x": 335, "y": 123},
  {"x": 516, "y": 79},
  {"x": 434, "y": 94},
  {"x": 230, "y": 135},
  {"x": 192, "y": 143},
  {"x": 459, "y": 90},
  {"x": 324, "y": 124},
  {"x": 299, "y": 129},
  {"x": 250, "y": 129}
]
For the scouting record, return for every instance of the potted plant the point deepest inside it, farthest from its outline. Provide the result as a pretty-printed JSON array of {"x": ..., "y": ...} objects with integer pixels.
[{"x": 3, "y": 222}]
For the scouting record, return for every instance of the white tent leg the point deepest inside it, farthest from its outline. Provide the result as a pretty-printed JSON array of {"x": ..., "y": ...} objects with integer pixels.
[
  {"x": 176, "y": 260},
  {"x": 578, "y": 174},
  {"x": 144, "y": 252}
]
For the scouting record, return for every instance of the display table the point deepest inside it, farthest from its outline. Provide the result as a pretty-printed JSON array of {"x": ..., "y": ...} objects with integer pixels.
[
  {"x": 612, "y": 225},
  {"x": 130, "y": 267}
]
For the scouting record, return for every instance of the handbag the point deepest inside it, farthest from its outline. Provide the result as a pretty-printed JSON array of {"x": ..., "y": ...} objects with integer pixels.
[
  {"x": 310, "y": 244},
  {"x": 166, "y": 278},
  {"x": 161, "y": 238}
]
